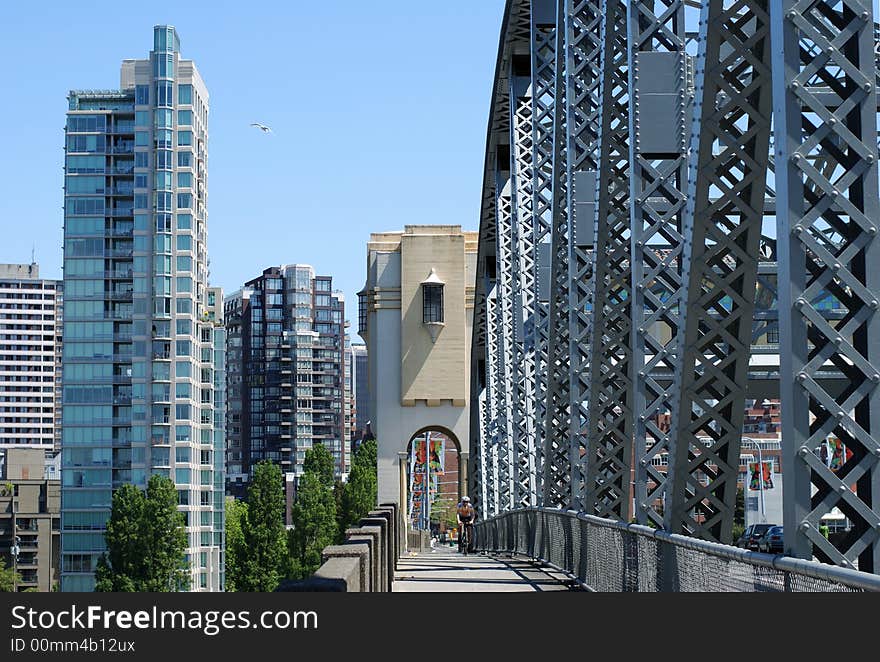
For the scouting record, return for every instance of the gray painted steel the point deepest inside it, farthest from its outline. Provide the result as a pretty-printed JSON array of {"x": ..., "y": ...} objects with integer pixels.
[
  {"x": 827, "y": 201},
  {"x": 623, "y": 284},
  {"x": 723, "y": 219}
]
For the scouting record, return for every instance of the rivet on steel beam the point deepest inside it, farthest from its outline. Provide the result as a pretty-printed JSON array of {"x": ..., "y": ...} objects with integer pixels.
[
  {"x": 805, "y": 526},
  {"x": 803, "y": 452},
  {"x": 644, "y": 463},
  {"x": 874, "y": 304},
  {"x": 867, "y": 87},
  {"x": 838, "y": 340},
  {"x": 800, "y": 303},
  {"x": 802, "y": 377},
  {"x": 642, "y": 417},
  {"x": 836, "y": 266},
  {"x": 875, "y": 377},
  {"x": 877, "y": 451},
  {"x": 832, "y": 121},
  {"x": 841, "y": 489},
  {"x": 872, "y": 231},
  {"x": 792, "y": 14},
  {"x": 869, "y": 158},
  {"x": 794, "y": 85},
  {"x": 795, "y": 157},
  {"x": 865, "y": 14}
]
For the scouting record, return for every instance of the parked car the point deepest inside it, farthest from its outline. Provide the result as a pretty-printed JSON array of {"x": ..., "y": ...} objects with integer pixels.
[
  {"x": 749, "y": 538},
  {"x": 771, "y": 541}
]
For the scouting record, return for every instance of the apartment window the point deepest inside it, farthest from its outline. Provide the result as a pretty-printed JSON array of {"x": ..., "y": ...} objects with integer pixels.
[
  {"x": 185, "y": 94},
  {"x": 142, "y": 95}
]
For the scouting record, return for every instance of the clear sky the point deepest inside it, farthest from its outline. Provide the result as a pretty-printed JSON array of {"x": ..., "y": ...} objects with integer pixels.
[{"x": 378, "y": 110}]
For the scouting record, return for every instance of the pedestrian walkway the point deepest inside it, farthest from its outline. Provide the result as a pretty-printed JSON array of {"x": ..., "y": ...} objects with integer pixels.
[{"x": 443, "y": 569}]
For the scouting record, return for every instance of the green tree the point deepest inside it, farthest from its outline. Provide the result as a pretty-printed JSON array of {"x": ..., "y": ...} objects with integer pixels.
[
  {"x": 314, "y": 525},
  {"x": 739, "y": 515},
  {"x": 264, "y": 539},
  {"x": 146, "y": 541},
  {"x": 9, "y": 578},
  {"x": 444, "y": 511},
  {"x": 236, "y": 552},
  {"x": 338, "y": 496},
  {"x": 362, "y": 489},
  {"x": 320, "y": 461}
]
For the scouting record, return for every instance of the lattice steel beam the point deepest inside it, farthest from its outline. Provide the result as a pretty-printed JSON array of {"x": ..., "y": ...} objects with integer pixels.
[
  {"x": 497, "y": 459},
  {"x": 582, "y": 127},
  {"x": 610, "y": 431},
  {"x": 828, "y": 213},
  {"x": 505, "y": 367},
  {"x": 550, "y": 203},
  {"x": 659, "y": 123},
  {"x": 524, "y": 288},
  {"x": 730, "y": 138}
]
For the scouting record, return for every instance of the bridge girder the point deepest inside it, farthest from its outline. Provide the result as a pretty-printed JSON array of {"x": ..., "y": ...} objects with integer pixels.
[{"x": 625, "y": 194}]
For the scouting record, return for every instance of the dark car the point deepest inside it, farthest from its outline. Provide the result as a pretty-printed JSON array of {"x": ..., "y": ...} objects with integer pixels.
[
  {"x": 771, "y": 541},
  {"x": 749, "y": 538}
]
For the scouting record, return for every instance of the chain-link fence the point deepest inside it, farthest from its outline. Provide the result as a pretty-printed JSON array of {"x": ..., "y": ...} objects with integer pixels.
[{"x": 610, "y": 556}]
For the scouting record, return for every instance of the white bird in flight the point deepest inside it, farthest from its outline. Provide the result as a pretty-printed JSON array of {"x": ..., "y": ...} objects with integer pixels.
[{"x": 262, "y": 127}]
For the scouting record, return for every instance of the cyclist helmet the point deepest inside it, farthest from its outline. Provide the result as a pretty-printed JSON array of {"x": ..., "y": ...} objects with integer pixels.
[{"x": 466, "y": 499}]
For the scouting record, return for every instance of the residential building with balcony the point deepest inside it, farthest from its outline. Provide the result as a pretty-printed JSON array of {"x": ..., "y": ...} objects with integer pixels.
[
  {"x": 30, "y": 508},
  {"x": 141, "y": 333},
  {"x": 286, "y": 374},
  {"x": 30, "y": 358}
]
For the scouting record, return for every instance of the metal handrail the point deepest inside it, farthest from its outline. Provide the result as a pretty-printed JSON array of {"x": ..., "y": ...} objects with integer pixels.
[{"x": 813, "y": 569}]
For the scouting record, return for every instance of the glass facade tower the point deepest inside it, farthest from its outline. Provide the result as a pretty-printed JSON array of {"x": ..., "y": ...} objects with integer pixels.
[
  {"x": 146, "y": 352},
  {"x": 286, "y": 379}
]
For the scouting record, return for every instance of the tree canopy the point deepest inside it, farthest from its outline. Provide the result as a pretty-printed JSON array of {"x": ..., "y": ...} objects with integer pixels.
[
  {"x": 146, "y": 541},
  {"x": 261, "y": 553}
]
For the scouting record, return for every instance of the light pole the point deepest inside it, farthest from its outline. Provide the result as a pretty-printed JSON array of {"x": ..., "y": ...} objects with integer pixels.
[
  {"x": 426, "y": 495},
  {"x": 757, "y": 445},
  {"x": 16, "y": 548}
]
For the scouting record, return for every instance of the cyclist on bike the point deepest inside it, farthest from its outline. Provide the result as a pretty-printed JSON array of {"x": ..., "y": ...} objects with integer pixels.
[{"x": 466, "y": 516}]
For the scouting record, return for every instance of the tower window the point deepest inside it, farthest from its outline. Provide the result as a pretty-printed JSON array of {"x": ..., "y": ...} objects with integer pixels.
[{"x": 432, "y": 300}]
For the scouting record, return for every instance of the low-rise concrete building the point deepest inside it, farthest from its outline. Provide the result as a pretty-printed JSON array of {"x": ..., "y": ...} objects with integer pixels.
[{"x": 30, "y": 512}]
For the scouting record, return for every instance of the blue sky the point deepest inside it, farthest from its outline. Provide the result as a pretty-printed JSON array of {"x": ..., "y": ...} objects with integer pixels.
[{"x": 379, "y": 113}]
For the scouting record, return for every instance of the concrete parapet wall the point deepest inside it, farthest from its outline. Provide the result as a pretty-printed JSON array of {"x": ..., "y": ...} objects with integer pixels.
[{"x": 365, "y": 561}]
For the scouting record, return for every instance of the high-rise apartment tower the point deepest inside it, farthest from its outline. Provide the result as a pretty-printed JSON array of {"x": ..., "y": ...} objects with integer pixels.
[
  {"x": 30, "y": 358},
  {"x": 286, "y": 378},
  {"x": 142, "y": 370}
]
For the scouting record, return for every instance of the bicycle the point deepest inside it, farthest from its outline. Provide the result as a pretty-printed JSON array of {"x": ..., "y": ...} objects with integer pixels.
[{"x": 464, "y": 538}]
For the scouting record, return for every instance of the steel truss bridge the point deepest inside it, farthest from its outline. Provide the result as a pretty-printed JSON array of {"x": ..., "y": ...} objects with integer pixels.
[{"x": 645, "y": 163}]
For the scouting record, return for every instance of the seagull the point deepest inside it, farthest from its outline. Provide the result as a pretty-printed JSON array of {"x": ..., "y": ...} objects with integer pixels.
[{"x": 262, "y": 127}]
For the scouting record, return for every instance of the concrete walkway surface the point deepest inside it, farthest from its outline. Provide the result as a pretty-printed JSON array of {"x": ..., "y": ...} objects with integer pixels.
[{"x": 442, "y": 569}]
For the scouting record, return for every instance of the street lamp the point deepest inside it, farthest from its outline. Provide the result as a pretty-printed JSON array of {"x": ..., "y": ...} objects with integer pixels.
[
  {"x": 16, "y": 548},
  {"x": 756, "y": 443}
]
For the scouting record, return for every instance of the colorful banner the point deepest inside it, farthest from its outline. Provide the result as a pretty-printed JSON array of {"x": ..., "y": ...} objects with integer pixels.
[
  {"x": 417, "y": 476},
  {"x": 833, "y": 452},
  {"x": 767, "y": 475}
]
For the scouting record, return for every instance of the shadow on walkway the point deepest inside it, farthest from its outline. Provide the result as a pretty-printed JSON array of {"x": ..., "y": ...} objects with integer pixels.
[{"x": 442, "y": 569}]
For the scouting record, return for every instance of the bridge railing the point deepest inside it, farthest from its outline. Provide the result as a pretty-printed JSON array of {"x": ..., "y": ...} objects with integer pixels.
[
  {"x": 366, "y": 559},
  {"x": 612, "y": 556}
]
